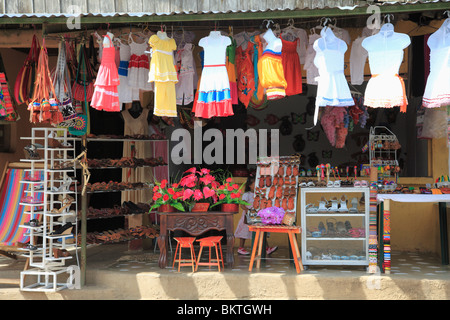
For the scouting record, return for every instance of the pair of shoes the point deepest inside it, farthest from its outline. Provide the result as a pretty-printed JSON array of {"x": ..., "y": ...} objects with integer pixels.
[
  {"x": 31, "y": 152},
  {"x": 59, "y": 253},
  {"x": 243, "y": 251},
  {"x": 63, "y": 230},
  {"x": 270, "y": 250}
]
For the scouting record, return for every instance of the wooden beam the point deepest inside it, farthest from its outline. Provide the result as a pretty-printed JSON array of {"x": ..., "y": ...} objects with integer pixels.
[{"x": 280, "y": 14}]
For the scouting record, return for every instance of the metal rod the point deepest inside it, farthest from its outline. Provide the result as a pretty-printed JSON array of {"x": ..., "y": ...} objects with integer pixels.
[{"x": 83, "y": 220}]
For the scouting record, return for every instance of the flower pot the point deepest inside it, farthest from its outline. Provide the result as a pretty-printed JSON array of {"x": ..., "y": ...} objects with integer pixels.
[
  {"x": 166, "y": 208},
  {"x": 230, "y": 207},
  {"x": 200, "y": 207}
]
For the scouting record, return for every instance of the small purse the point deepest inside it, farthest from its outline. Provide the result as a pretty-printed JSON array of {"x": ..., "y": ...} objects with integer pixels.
[{"x": 289, "y": 218}]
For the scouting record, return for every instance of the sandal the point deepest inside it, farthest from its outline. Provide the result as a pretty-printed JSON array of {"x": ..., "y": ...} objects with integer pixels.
[{"x": 310, "y": 208}]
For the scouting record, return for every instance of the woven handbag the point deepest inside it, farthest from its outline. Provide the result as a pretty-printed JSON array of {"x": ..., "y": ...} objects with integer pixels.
[
  {"x": 84, "y": 79},
  {"x": 24, "y": 85}
]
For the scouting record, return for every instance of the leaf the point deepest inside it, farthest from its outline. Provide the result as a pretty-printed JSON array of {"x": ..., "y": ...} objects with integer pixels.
[{"x": 178, "y": 206}]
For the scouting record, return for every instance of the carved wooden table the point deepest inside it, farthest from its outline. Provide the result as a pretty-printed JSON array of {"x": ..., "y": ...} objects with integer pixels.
[{"x": 195, "y": 223}]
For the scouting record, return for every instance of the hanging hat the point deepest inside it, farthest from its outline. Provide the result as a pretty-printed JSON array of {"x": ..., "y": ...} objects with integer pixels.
[{"x": 80, "y": 126}]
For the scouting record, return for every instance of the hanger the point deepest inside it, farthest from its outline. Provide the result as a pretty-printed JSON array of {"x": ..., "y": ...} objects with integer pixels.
[
  {"x": 422, "y": 25},
  {"x": 268, "y": 23}
]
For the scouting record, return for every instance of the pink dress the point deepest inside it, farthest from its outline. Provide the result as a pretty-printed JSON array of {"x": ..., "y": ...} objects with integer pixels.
[{"x": 106, "y": 96}]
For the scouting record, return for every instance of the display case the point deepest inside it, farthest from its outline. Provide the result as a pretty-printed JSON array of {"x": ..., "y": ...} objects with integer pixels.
[{"x": 335, "y": 224}]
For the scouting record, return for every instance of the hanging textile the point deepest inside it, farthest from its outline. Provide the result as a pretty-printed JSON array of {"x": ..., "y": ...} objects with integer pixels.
[
  {"x": 44, "y": 107},
  {"x": 106, "y": 96},
  {"x": 437, "y": 89},
  {"x": 162, "y": 72},
  {"x": 332, "y": 88},
  {"x": 386, "y": 88},
  {"x": 84, "y": 79},
  {"x": 25, "y": 81},
  {"x": 214, "y": 98},
  {"x": 62, "y": 85}
]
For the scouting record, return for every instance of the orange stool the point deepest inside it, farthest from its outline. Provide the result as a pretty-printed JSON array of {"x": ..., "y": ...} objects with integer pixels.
[
  {"x": 184, "y": 242},
  {"x": 211, "y": 242}
]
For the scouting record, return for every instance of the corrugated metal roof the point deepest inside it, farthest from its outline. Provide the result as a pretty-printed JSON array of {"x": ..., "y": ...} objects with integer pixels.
[{"x": 194, "y": 9}]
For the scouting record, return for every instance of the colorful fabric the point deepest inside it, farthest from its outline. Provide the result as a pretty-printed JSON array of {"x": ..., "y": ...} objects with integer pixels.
[
  {"x": 231, "y": 70},
  {"x": 162, "y": 68},
  {"x": 106, "y": 96},
  {"x": 11, "y": 213},
  {"x": 245, "y": 74},
  {"x": 271, "y": 74},
  {"x": 291, "y": 66}
]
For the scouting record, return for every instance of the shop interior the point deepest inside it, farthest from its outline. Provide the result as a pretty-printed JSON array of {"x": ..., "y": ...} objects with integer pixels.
[{"x": 421, "y": 152}]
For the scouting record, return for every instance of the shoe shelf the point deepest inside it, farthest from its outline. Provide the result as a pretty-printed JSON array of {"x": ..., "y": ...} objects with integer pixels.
[
  {"x": 46, "y": 280},
  {"x": 276, "y": 184},
  {"x": 335, "y": 225},
  {"x": 56, "y": 204}
]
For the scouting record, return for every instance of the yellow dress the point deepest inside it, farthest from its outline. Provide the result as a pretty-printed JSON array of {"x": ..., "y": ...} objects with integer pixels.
[{"x": 162, "y": 72}]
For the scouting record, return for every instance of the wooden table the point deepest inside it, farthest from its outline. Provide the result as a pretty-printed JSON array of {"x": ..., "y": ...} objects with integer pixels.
[
  {"x": 258, "y": 242},
  {"x": 195, "y": 223}
]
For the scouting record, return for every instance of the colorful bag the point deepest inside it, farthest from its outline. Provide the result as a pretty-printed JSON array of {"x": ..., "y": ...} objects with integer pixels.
[
  {"x": 62, "y": 85},
  {"x": 24, "y": 86},
  {"x": 83, "y": 87},
  {"x": 42, "y": 108}
]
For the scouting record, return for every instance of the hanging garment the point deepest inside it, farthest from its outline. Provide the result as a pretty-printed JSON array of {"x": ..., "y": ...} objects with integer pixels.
[
  {"x": 126, "y": 93},
  {"x": 160, "y": 149},
  {"x": 437, "y": 89},
  {"x": 83, "y": 86},
  {"x": 386, "y": 88},
  {"x": 332, "y": 88},
  {"x": 259, "y": 99},
  {"x": 186, "y": 75},
  {"x": 333, "y": 124},
  {"x": 214, "y": 97},
  {"x": 312, "y": 73},
  {"x": 106, "y": 96},
  {"x": 291, "y": 67},
  {"x": 358, "y": 58},
  {"x": 163, "y": 74},
  {"x": 245, "y": 74},
  {"x": 137, "y": 149},
  {"x": 270, "y": 68},
  {"x": 293, "y": 34},
  {"x": 138, "y": 68},
  {"x": 231, "y": 70}
]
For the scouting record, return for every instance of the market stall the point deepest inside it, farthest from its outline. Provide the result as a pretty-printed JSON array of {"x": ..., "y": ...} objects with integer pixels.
[{"x": 338, "y": 93}]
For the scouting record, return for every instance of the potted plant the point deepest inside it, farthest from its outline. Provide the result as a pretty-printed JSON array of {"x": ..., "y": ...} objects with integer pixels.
[
  {"x": 167, "y": 198},
  {"x": 198, "y": 189},
  {"x": 229, "y": 196}
]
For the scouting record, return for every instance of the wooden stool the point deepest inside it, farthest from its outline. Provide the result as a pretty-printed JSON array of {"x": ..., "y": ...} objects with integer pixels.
[
  {"x": 210, "y": 242},
  {"x": 290, "y": 230},
  {"x": 184, "y": 242}
]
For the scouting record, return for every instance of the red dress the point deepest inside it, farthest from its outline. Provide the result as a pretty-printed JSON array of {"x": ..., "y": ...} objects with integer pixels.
[
  {"x": 291, "y": 67},
  {"x": 106, "y": 96}
]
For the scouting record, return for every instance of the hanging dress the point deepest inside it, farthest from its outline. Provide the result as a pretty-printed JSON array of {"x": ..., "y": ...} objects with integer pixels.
[
  {"x": 386, "y": 88},
  {"x": 270, "y": 71},
  {"x": 245, "y": 73},
  {"x": 125, "y": 91},
  {"x": 105, "y": 96},
  {"x": 163, "y": 74},
  {"x": 437, "y": 89},
  {"x": 291, "y": 66},
  {"x": 332, "y": 87},
  {"x": 186, "y": 75},
  {"x": 214, "y": 98},
  {"x": 231, "y": 70},
  {"x": 259, "y": 99},
  {"x": 137, "y": 149},
  {"x": 138, "y": 68}
]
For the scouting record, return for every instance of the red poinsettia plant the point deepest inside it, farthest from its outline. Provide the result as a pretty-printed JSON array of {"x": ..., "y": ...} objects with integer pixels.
[
  {"x": 198, "y": 186},
  {"x": 167, "y": 194},
  {"x": 229, "y": 192}
]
